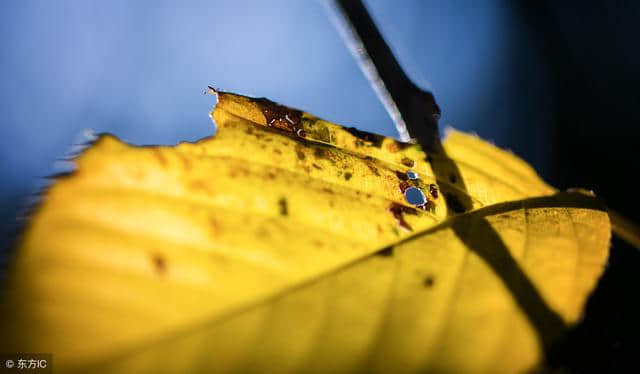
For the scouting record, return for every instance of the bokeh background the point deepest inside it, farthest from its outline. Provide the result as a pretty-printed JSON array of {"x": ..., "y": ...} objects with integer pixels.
[{"x": 558, "y": 83}]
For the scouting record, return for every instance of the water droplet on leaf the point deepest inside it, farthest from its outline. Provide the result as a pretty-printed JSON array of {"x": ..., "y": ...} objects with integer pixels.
[
  {"x": 415, "y": 196},
  {"x": 412, "y": 174}
]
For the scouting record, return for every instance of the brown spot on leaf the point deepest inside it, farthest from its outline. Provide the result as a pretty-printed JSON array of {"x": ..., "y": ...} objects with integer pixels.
[
  {"x": 280, "y": 117},
  {"x": 263, "y": 233},
  {"x": 374, "y": 139},
  {"x": 185, "y": 161},
  {"x": 347, "y": 176},
  {"x": 316, "y": 130},
  {"x": 433, "y": 190},
  {"x": 402, "y": 176},
  {"x": 284, "y": 209},
  {"x": 300, "y": 154},
  {"x": 159, "y": 156},
  {"x": 199, "y": 185},
  {"x": 159, "y": 263},
  {"x": 320, "y": 153},
  {"x": 328, "y": 190},
  {"x": 429, "y": 281},
  {"x": 398, "y": 211},
  {"x": 373, "y": 169},
  {"x": 214, "y": 227},
  {"x": 429, "y": 206},
  {"x": 406, "y": 161},
  {"x": 403, "y": 186},
  {"x": 238, "y": 171},
  {"x": 316, "y": 166}
]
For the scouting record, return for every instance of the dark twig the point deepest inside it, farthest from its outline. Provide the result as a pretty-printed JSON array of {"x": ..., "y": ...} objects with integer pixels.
[{"x": 413, "y": 110}]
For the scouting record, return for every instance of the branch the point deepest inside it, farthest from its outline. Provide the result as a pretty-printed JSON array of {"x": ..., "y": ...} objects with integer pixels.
[{"x": 413, "y": 110}]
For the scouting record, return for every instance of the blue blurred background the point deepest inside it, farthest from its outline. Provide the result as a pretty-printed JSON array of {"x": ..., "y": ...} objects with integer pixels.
[
  {"x": 555, "y": 82},
  {"x": 139, "y": 69}
]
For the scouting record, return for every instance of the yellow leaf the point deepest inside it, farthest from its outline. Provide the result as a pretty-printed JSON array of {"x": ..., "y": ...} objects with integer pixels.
[{"x": 263, "y": 249}]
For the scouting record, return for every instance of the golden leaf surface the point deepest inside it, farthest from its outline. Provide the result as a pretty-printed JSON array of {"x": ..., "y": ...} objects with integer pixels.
[{"x": 285, "y": 243}]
